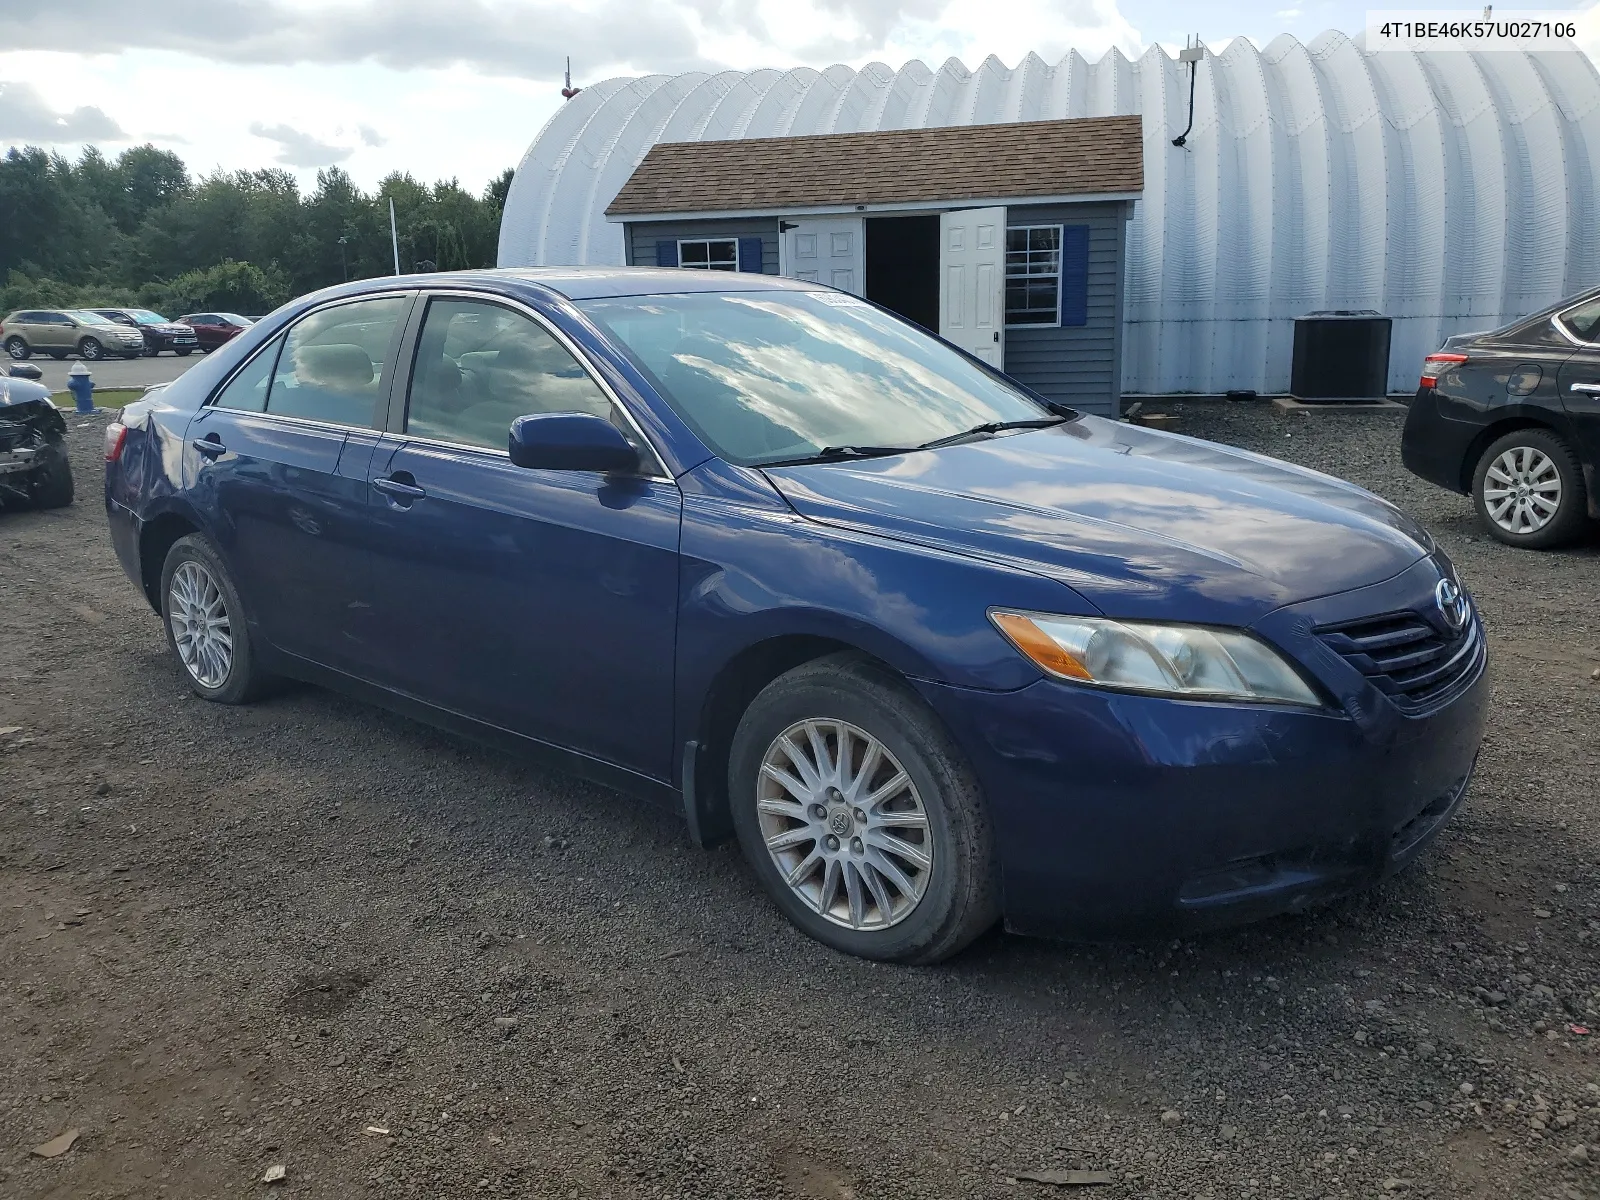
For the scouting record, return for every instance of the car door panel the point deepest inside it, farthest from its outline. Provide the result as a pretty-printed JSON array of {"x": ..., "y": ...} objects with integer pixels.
[
  {"x": 543, "y": 602},
  {"x": 1580, "y": 396}
]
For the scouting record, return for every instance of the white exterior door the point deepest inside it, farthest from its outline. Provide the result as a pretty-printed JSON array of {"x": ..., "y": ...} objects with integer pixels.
[
  {"x": 830, "y": 250},
  {"x": 972, "y": 282}
]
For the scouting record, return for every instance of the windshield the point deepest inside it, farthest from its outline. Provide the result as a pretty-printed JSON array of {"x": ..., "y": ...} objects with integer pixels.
[
  {"x": 89, "y": 318},
  {"x": 145, "y": 317},
  {"x": 767, "y": 376},
  {"x": 235, "y": 319}
]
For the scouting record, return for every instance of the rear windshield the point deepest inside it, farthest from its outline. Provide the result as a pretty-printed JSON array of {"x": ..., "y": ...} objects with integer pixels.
[{"x": 765, "y": 376}]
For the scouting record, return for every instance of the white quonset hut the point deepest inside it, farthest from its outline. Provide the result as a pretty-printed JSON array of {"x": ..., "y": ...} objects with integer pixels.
[{"x": 1448, "y": 191}]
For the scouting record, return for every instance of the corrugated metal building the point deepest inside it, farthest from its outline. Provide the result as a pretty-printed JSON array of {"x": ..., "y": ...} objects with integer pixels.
[{"x": 1449, "y": 191}]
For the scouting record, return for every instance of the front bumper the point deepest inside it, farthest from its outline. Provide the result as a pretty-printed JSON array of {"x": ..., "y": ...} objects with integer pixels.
[{"x": 1122, "y": 815}]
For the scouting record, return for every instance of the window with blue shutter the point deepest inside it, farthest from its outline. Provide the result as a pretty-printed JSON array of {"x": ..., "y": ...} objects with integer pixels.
[
  {"x": 1047, "y": 275},
  {"x": 750, "y": 254},
  {"x": 667, "y": 252}
]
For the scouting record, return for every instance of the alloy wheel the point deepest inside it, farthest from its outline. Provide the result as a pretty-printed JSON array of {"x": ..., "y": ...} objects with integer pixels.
[
  {"x": 1522, "y": 490},
  {"x": 844, "y": 824},
  {"x": 200, "y": 626}
]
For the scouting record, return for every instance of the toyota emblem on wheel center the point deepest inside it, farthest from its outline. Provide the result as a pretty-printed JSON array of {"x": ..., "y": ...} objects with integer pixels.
[{"x": 1452, "y": 602}]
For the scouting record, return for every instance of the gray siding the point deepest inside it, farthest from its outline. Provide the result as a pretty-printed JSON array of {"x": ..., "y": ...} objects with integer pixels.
[
  {"x": 1079, "y": 365},
  {"x": 643, "y": 235}
]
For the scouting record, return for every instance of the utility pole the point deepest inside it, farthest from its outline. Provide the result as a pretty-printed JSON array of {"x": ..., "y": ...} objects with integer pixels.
[
  {"x": 568, "y": 92},
  {"x": 343, "y": 265},
  {"x": 394, "y": 236}
]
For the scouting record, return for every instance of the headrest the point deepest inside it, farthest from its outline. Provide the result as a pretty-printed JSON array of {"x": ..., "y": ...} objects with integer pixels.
[{"x": 342, "y": 365}]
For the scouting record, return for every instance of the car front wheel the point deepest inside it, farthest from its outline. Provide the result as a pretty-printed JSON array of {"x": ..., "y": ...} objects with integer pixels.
[
  {"x": 1528, "y": 490},
  {"x": 205, "y": 624},
  {"x": 91, "y": 349},
  {"x": 860, "y": 815}
]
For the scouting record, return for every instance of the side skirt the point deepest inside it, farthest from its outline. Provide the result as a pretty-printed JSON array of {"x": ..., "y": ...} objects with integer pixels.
[{"x": 557, "y": 757}]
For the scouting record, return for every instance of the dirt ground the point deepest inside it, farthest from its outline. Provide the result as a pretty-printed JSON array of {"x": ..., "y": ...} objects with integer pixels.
[{"x": 233, "y": 939}]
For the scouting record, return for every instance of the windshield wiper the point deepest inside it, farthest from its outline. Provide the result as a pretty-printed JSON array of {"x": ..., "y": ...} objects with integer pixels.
[
  {"x": 991, "y": 427},
  {"x": 839, "y": 453}
]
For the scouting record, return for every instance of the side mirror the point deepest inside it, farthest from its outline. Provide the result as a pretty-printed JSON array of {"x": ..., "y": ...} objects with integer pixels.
[{"x": 570, "y": 442}]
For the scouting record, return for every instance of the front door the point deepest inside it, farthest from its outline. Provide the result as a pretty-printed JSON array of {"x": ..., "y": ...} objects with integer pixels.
[
  {"x": 1579, "y": 388},
  {"x": 543, "y": 602},
  {"x": 830, "y": 250},
  {"x": 972, "y": 282},
  {"x": 279, "y": 461}
]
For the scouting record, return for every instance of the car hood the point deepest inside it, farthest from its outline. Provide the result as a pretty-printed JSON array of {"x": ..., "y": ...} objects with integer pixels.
[
  {"x": 171, "y": 327},
  {"x": 14, "y": 391},
  {"x": 1141, "y": 523}
]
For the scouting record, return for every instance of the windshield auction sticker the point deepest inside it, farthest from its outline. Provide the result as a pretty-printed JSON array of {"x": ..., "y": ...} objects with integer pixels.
[{"x": 1479, "y": 29}]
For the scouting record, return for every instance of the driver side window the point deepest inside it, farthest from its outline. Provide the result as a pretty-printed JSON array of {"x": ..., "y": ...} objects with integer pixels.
[{"x": 480, "y": 366}]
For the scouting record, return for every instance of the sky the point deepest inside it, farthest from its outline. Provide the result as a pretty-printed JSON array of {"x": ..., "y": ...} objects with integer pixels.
[{"x": 459, "y": 88}]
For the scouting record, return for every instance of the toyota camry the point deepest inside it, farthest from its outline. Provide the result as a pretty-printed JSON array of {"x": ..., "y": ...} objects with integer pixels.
[{"x": 936, "y": 650}]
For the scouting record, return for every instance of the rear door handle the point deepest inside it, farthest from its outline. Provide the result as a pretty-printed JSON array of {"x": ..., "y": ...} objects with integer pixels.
[
  {"x": 395, "y": 487},
  {"x": 1588, "y": 389},
  {"x": 209, "y": 446}
]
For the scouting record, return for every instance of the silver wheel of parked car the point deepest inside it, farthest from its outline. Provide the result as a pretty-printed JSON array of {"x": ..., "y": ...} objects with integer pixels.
[
  {"x": 91, "y": 349},
  {"x": 845, "y": 824},
  {"x": 201, "y": 630},
  {"x": 1522, "y": 490}
]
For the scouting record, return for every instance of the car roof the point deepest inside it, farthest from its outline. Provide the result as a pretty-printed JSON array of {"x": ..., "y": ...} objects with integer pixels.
[{"x": 593, "y": 283}]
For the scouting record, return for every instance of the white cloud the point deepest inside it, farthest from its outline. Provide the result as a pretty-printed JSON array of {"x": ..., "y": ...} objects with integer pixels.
[
  {"x": 370, "y": 136},
  {"x": 25, "y": 116},
  {"x": 297, "y": 148}
]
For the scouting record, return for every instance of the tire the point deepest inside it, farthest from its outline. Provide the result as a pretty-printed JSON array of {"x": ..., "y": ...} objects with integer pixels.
[
  {"x": 242, "y": 681},
  {"x": 91, "y": 349},
  {"x": 17, "y": 348},
  {"x": 151, "y": 351},
  {"x": 51, "y": 483},
  {"x": 959, "y": 892},
  {"x": 58, "y": 355},
  {"x": 184, "y": 353},
  {"x": 1536, "y": 463}
]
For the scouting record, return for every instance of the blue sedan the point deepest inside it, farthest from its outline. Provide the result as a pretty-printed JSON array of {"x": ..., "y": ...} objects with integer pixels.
[{"x": 936, "y": 650}]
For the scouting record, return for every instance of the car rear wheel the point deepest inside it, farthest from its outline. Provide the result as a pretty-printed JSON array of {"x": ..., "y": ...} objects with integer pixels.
[
  {"x": 860, "y": 815},
  {"x": 91, "y": 349},
  {"x": 205, "y": 624},
  {"x": 17, "y": 348},
  {"x": 1528, "y": 490}
]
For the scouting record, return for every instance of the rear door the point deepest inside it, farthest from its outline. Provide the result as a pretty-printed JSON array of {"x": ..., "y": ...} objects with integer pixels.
[
  {"x": 57, "y": 332},
  {"x": 1579, "y": 384},
  {"x": 543, "y": 602},
  {"x": 972, "y": 282},
  {"x": 279, "y": 460}
]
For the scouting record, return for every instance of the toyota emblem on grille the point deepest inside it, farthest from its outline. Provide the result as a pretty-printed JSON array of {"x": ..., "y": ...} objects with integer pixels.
[{"x": 1453, "y": 604}]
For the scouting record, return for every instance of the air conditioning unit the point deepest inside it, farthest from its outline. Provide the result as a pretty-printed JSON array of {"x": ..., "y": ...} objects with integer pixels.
[{"x": 1340, "y": 354}]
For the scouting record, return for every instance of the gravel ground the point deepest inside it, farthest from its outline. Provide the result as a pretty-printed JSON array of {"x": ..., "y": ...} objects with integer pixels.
[{"x": 241, "y": 938}]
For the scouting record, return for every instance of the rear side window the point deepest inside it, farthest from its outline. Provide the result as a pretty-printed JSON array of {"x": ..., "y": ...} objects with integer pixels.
[
  {"x": 247, "y": 391},
  {"x": 1584, "y": 321},
  {"x": 332, "y": 362},
  {"x": 480, "y": 366}
]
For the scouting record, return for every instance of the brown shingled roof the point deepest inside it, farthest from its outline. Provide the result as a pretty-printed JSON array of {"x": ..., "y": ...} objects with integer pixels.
[{"x": 1095, "y": 155}]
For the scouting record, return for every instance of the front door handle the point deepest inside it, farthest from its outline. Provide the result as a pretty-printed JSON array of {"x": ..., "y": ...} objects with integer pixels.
[
  {"x": 398, "y": 487},
  {"x": 1588, "y": 389},
  {"x": 209, "y": 446}
]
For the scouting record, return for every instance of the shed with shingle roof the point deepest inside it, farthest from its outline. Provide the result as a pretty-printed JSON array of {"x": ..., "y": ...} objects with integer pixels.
[{"x": 1007, "y": 239}]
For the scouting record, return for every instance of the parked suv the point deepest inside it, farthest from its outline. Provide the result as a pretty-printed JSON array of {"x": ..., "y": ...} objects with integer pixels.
[
  {"x": 159, "y": 333},
  {"x": 214, "y": 329},
  {"x": 59, "y": 332}
]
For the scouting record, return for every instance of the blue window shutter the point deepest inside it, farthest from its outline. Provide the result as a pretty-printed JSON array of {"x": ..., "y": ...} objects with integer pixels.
[
  {"x": 1074, "y": 274},
  {"x": 667, "y": 253},
  {"x": 750, "y": 254}
]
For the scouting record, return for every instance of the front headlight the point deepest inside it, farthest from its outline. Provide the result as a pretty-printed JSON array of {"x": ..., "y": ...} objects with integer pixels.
[{"x": 1190, "y": 661}]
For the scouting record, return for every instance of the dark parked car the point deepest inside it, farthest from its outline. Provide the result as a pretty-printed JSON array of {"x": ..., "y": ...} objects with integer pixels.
[
  {"x": 159, "y": 333},
  {"x": 934, "y": 649},
  {"x": 1512, "y": 419},
  {"x": 34, "y": 471},
  {"x": 216, "y": 329}
]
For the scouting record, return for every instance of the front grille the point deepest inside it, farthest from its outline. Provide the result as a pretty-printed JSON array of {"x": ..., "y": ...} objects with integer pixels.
[{"x": 1409, "y": 659}]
